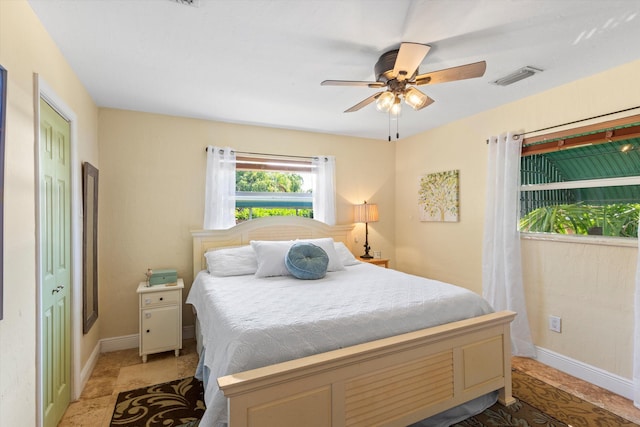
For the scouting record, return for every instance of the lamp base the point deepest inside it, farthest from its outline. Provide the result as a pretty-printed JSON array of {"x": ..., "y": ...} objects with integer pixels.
[{"x": 366, "y": 256}]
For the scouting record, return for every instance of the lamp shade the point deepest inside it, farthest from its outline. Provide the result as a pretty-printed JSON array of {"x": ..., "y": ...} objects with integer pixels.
[
  {"x": 365, "y": 213},
  {"x": 416, "y": 99},
  {"x": 385, "y": 101},
  {"x": 396, "y": 108}
]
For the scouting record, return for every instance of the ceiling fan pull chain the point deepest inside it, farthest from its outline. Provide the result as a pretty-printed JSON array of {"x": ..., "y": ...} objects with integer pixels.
[
  {"x": 389, "y": 116},
  {"x": 397, "y": 127}
]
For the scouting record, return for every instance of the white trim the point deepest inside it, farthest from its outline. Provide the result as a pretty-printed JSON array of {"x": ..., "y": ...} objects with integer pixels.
[
  {"x": 607, "y": 380},
  {"x": 586, "y": 183},
  {"x": 107, "y": 345},
  {"x": 600, "y": 377},
  {"x": 36, "y": 162},
  {"x": 625, "y": 242},
  {"x": 87, "y": 370},
  {"x": 188, "y": 332},
  {"x": 118, "y": 343},
  {"x": 44, "y": 91}
]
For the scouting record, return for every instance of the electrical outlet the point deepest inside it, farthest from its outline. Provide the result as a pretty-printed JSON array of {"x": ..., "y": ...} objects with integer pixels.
[{"x": 555, "y": 324}]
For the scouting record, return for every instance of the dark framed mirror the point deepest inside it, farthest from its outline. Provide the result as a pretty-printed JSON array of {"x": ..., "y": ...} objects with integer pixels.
[
  {"x": 3, "y": 114},
  {"x": 89, "y": 247}
]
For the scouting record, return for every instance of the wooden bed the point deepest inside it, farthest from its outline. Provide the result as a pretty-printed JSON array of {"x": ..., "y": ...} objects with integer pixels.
[{"x": 394, "y": 381}]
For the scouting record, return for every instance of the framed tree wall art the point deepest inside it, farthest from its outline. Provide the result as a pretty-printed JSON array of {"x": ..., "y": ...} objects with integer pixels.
[{"x": 438, "y": 196}]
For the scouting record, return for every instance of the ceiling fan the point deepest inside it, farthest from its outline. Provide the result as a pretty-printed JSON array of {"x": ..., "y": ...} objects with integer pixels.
[{"x": 397, "y": 70}]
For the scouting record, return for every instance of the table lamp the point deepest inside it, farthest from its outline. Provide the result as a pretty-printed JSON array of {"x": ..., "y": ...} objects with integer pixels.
[{"x": 366, "y": 213}]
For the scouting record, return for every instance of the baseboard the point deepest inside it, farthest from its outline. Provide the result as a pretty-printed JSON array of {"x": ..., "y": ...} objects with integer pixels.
[
  {"x": 188, "y": 332},
  {"x": 118, "y": 343},
  {"x": 87, "y": 369},
  {"x": 601, "y": 378},
  {"x": 106, "y": 345},
  {"x": 131, "y": 341}
]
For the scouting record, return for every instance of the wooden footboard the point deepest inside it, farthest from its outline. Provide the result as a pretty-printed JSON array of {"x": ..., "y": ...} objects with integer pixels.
[{"x": 390, "y": 382}]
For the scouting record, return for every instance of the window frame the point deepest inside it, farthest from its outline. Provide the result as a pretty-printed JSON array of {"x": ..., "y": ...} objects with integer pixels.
[
  {"x": 274, "y": 163},
  {"x": 599, "y": 133}
]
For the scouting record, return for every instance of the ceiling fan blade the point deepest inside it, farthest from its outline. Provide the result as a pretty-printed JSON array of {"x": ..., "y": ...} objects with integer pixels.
[
  {"x": 363, "y": 103},
  {"x": 351, "y": 83},
  {"x": 461, "y": 72},
  {"x": 408, "y": 60}
]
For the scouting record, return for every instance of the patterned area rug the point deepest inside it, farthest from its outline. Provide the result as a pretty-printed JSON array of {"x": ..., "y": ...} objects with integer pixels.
[
  {"x": 172, "y": 404},
  {"x": 539, "y": 404},
  {"x": 181, "y": 404}
]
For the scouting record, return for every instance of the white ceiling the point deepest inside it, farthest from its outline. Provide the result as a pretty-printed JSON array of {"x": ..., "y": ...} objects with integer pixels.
[{"x": 261, "y": 62}]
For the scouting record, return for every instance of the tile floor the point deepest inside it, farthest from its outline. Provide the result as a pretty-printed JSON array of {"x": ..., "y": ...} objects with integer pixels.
[
  {"x": 123, "y": 370},
  {"x": 582, "y": 389}
]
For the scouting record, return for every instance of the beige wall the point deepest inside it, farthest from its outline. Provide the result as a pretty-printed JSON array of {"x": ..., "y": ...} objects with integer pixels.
[
  {"x": 25, "y": 48},
  {"x": 151, "y": 186},
  {"x": 152, "y": 190},
  {"x": 591, "y": 287}
]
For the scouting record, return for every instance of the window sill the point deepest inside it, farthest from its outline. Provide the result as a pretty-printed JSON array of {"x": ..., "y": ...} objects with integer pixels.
[{"x": 627, "y": 242}]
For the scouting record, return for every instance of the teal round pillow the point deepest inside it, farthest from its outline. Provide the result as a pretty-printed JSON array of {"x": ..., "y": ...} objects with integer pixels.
[{"x": 306, "y": 261}]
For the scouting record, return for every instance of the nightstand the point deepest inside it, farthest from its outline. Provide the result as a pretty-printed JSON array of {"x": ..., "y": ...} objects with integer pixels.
[
  {"x": 382, "y": 262},
  {"x": 160, "y": 318}
]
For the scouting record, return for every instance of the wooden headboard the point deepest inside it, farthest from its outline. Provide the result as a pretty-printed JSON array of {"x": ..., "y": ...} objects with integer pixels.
[{"x": 267, "y": 228}]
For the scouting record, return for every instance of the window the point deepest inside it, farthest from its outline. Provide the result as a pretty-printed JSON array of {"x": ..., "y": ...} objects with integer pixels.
[
  {"x": 221, "y": 179},
  {"x": 273, "y": 186},
  {"x": 587, "y": 183}
]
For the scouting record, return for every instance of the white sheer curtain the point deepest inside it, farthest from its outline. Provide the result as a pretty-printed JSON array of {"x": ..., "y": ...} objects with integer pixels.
[
  {"x": 323, "y": 183},
  {"x": 636, "y": 339},
  {"x": 220, "y": 189},
  {"x": 502, "y": 282}
]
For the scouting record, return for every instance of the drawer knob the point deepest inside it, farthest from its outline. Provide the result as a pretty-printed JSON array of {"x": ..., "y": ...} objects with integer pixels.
[
  {"x": 148, "y": 330},
  {"x": 147, "y": 315},
  {"x": 161, "y": 298}
]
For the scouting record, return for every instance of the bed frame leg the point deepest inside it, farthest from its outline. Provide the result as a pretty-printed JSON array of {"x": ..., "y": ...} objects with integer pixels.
[
  {"x": 504, "y": 394},
  {"x": 505, "y": 399}
]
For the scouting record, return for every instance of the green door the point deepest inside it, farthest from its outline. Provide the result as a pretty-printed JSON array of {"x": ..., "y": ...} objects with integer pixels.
[{"x": 55, "y": 263}]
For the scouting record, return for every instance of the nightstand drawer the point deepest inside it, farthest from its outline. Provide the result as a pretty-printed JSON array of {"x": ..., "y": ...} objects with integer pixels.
[{"x": 154, "y": 299}]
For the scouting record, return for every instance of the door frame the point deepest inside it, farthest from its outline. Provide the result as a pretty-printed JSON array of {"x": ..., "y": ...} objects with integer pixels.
[{"x": 44, "y": 91}]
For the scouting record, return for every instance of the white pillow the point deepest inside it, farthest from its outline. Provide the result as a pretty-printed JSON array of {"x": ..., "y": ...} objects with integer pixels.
[
  {"x": 232, "y": 261},
  {"x": 270, "y": 256},
  {"x": 345, "y": 255},
  {"x": 327, "y": 244}
]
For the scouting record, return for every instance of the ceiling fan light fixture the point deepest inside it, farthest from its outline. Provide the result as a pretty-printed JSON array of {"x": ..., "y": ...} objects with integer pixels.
[
  {"x": 385, "y": 101},
  {"x": 415, "y": 99},
  {"x": 518, "y": 75}
]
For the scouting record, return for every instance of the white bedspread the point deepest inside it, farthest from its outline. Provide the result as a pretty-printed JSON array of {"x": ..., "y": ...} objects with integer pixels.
[{"x": 250, "y": 322}]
